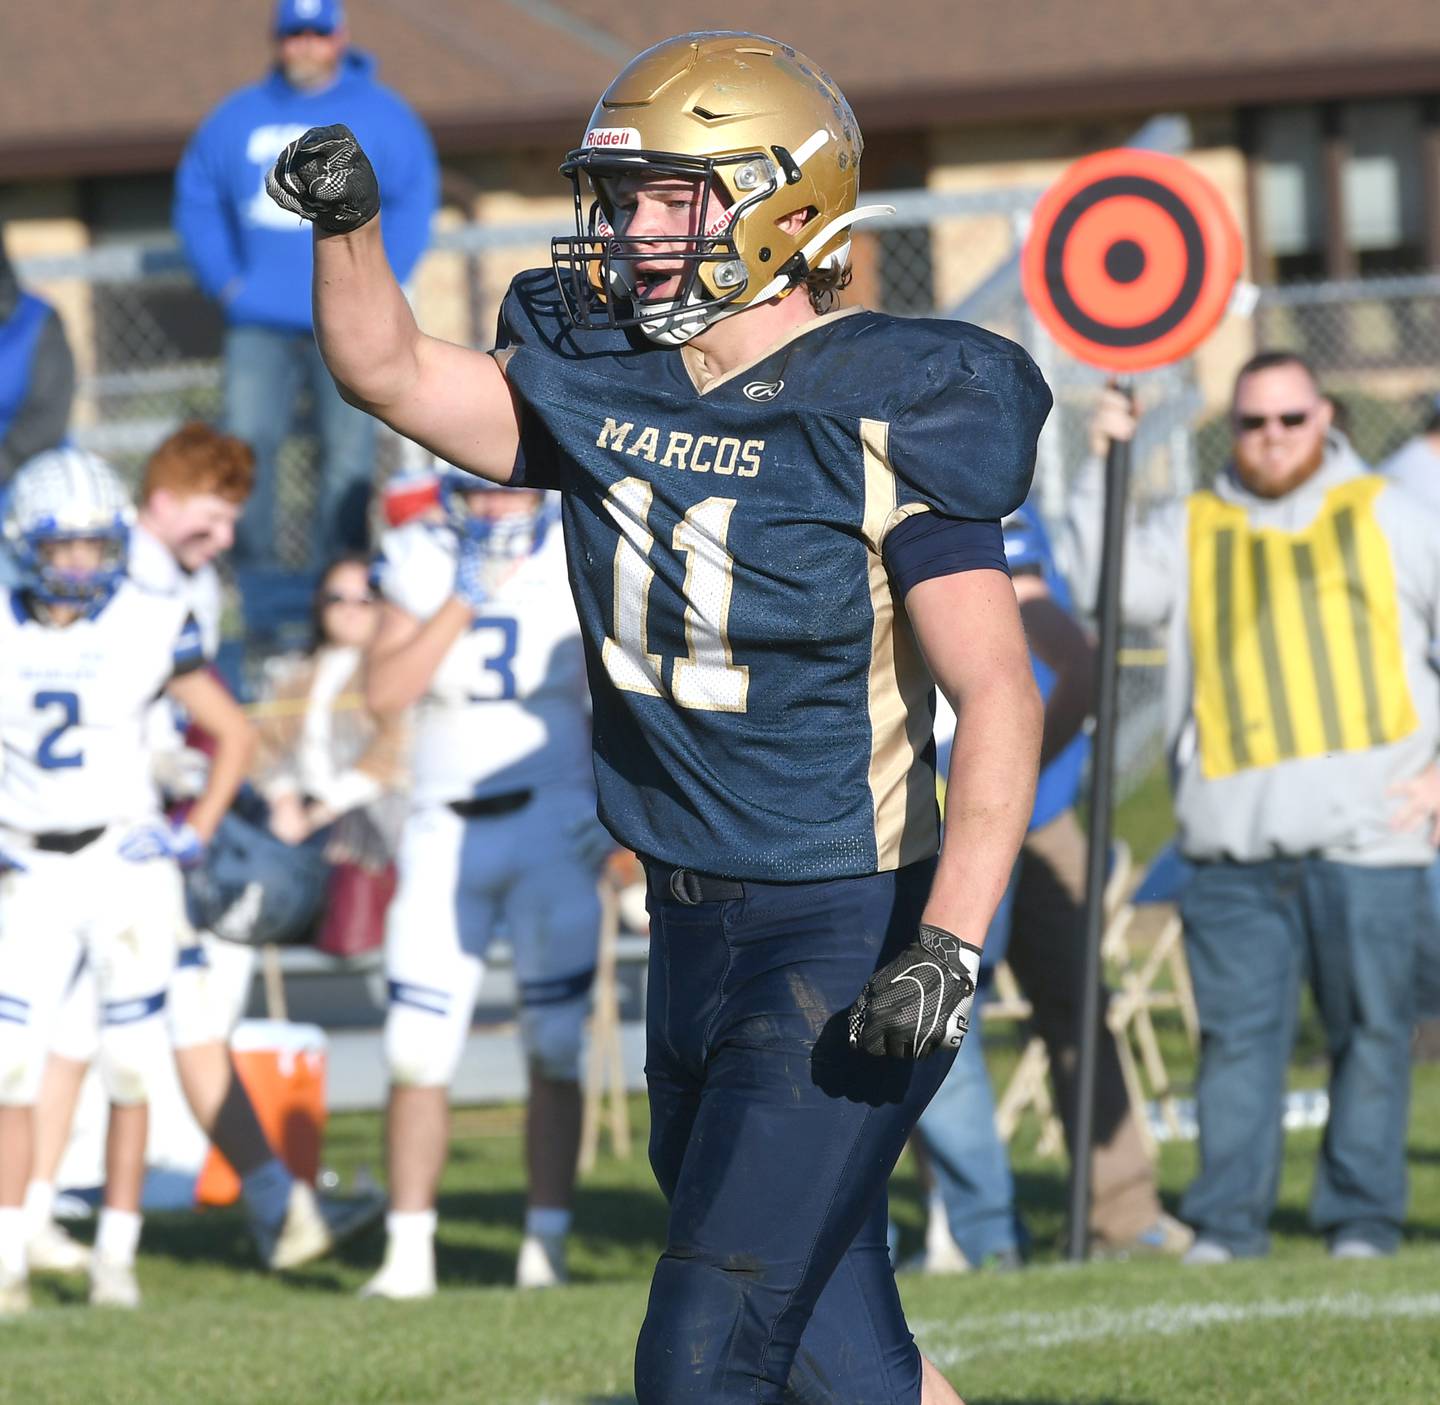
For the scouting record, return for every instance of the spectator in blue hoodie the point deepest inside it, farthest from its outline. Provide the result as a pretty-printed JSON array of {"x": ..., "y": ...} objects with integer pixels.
[
  {"x": 256, "y": 261},
  {"x": 37, "y": 374}
]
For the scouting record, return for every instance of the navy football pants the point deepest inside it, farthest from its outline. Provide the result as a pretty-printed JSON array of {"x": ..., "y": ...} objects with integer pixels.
[{"x": 773, "y": 1142}]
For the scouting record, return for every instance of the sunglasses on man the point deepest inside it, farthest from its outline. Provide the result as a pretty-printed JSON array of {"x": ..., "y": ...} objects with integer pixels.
[{"x": 1291, "y": 419}]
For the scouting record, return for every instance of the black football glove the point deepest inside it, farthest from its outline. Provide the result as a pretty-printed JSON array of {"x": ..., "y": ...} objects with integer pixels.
[
  {"x": 324, "y": 176},
  {"x": 920, "y": 1001}
]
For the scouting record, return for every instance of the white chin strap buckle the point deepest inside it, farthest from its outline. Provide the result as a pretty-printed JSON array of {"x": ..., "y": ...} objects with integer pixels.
[{"x": 668, "y": 324}]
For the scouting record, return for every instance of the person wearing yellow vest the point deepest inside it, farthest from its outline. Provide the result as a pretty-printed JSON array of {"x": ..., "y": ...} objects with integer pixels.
[{"x": 1301, "y": 599}]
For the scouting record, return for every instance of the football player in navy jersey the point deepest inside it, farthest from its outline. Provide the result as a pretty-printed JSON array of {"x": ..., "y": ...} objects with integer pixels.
[{"x": 783, "y": 527}]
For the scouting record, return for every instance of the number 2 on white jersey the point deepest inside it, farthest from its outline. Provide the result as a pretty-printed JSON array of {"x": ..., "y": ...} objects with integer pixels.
[
  {"x": 46, "y": 757},
  {"x": 706, "y": 679}
]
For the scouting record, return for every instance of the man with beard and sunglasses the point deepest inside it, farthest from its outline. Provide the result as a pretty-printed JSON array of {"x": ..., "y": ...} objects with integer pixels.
[
  {"x": 782, "y": 522},
  {"x": 1301, "y": 597}
]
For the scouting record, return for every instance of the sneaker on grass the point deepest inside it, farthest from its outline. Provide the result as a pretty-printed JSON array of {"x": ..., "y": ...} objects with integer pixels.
[
  {"x": 14, "y": 1294},
  {"x": 1206, "y": 1253},
  {"x": 52, "y": 1250},
  {"x": 113, "y": 1284},
  {"x": 315, "y": 1224},
  {"x": 1167, "y": 1238}
]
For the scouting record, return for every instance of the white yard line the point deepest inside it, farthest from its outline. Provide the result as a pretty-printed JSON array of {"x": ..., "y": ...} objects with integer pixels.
[{"x": 1042, "y": 1330}]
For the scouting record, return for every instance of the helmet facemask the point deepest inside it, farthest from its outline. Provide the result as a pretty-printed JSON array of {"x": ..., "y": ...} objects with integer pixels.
[
  {"x": 504, "y": 539},
  {"x": 596, "y": 267},
  {"x": 68, "y": 495},
  {"x": 55, "y": 584}
]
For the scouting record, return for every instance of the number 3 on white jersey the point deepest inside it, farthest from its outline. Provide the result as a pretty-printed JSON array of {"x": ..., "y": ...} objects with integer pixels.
[{"x": 706, "y": 679}]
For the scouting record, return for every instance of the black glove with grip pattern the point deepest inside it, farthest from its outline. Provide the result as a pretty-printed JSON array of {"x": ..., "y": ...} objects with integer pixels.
[
  {"x": 920, "y": 1001},
  {"x": 325, "y": 177}
]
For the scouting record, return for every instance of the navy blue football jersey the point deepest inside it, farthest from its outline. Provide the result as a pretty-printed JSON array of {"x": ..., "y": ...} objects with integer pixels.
[{"x": 761, "y": 709}]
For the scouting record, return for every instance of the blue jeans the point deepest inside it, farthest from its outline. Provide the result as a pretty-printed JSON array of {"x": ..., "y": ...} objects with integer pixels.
[
  {"x": 1252, "y": 932},
  {"x": 971, "y": 1163},
  {"x": 264, "y": 373},
  {"x": 773, "y": 1141},
  {"x": 1427, "y": 985}
]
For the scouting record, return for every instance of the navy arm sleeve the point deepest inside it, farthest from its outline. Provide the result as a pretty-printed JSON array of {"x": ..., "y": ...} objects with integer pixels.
[
  {"x": 188, "y": 652},
  {"x": 928, "y": 545}
]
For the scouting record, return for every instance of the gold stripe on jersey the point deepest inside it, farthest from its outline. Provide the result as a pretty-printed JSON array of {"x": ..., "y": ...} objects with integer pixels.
[
  {"x": 907, "y": 822},
  {"x": 1294, "y": 636}
]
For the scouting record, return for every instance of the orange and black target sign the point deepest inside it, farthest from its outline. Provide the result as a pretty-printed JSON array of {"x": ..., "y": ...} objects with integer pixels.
[{"x": 1131, "y": 259}]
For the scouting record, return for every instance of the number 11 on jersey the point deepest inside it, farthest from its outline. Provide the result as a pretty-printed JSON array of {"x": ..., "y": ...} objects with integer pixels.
[{"x": 706, "y": 679}]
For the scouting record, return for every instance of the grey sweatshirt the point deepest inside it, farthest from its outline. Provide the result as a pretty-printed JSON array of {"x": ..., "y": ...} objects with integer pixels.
[{"x": 1333, "y": 804}]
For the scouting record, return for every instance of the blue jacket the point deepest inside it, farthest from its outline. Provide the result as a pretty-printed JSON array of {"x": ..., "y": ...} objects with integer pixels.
[
  {"x": 248, "y": 252},
  {"x": 37, "y": 375}
]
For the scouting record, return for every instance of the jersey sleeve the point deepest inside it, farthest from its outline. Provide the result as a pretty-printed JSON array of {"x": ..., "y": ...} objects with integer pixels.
[
  {"x": 538, "y": 461},
  {"x": 188, "y": 652},
  {"x": 414, "y": 569},
  {"x": 964, "y": 445}
]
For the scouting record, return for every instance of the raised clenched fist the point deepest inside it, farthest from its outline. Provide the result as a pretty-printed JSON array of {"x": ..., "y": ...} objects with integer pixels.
[{"x": 324, "y": 176}]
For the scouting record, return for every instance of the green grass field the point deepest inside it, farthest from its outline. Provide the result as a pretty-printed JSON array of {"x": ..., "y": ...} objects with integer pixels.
[{"x": 1294, "y": 1328}]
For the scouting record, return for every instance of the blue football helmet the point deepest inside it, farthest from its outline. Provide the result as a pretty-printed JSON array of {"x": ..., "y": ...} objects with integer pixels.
[
  {"x": 510, "y": 537},
  {"x": 68, "y": 495}
]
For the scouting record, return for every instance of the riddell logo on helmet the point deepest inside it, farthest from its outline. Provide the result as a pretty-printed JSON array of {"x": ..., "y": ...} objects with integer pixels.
[{"x": 612, "y": 136}]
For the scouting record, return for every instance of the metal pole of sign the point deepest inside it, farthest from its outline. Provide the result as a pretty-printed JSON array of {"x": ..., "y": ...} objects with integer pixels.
[{"x": 1102, "y": 773}]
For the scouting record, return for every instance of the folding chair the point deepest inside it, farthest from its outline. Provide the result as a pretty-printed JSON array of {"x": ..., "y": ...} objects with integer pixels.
[
  {"x": 1028, "y": 1089},
  {"x": 1147, "y": 962}
]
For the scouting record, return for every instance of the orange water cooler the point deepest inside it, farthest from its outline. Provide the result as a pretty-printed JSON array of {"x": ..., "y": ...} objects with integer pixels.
[{"x": 282, "y": 1066}]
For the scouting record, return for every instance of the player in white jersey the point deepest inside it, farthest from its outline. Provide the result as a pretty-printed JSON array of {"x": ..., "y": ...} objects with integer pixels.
[
  {"x": 194, "y": 486},
  {"x": 479, "y": 634},
  {"x": 90, "y": 865}
]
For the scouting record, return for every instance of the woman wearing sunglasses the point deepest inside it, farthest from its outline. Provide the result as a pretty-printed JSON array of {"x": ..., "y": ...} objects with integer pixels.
[{"x": 322, "y": 755}]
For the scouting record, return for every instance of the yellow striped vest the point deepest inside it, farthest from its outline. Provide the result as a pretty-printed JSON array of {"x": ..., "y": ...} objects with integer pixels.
[{"x": 1294, "y": 636}]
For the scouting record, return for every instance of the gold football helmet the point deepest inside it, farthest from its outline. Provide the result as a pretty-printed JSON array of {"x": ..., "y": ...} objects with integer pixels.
[{"x": 762, "y": 132}]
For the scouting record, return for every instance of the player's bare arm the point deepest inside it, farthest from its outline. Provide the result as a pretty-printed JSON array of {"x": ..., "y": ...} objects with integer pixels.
[
  {"x": 406, "y": 653},
  {"x": 214, "y": 711},
  {"x": 451, "y": 399},
  {"x": 968, "y": 628},
  {"x": 920, "y": 1002}
]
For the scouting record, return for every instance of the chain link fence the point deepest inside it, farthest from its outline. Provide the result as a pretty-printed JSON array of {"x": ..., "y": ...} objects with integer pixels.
[{"x": 148, "y": 342}]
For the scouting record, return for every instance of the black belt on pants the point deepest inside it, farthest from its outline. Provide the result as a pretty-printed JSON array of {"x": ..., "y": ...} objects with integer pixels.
[
  {"x": 67, "y": 843},
  {"x": 484, "y": 806},
  {"x": 687, "y": 886}
]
